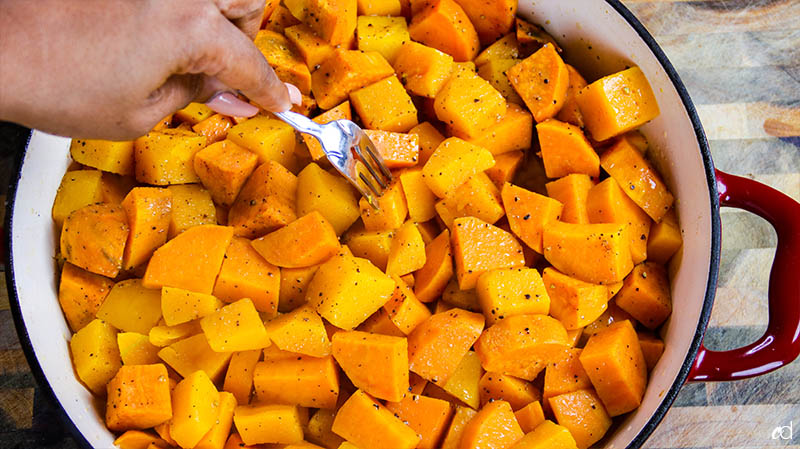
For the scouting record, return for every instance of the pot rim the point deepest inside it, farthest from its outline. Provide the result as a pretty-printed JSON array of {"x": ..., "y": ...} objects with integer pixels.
[{"x": 669, "y": 396}]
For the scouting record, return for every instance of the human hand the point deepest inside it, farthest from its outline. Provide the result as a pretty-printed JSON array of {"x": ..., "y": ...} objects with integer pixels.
[{"x": 113, "y": 68}]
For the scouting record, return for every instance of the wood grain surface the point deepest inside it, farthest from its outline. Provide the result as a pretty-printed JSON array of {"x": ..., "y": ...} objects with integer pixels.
[{"x": 740, "y": 60}]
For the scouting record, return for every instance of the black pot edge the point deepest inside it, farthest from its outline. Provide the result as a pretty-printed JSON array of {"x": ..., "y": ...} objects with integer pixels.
[
  {"x": 705, "y": 313},
  {"x": 716, "y": 227}
]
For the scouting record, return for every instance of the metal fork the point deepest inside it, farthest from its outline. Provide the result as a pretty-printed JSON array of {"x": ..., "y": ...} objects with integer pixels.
[{"x": 340, "y": 139}]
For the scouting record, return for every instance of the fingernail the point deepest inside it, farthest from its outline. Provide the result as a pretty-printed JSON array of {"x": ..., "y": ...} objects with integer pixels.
[
  {"x": 226, "y": 103},
  {"x": 294, "y": 93}
]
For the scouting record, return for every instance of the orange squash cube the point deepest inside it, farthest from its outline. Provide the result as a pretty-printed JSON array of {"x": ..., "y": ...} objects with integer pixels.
[
  {"x": 398, "y": 150},
  {"x": 573, "y": 302},
  {"x": 436, "y": 346},
  {"x": 245, "y": 274},
  {"x": 382, "y": 34},
  {"x": 528, "y": 213},
  {"x": 423, "y": 70},
  {"x": 664, "y": 238},
  {"x": 445, "y": 26},
  {"x": 181, "y": 306},
  {"x": 652, "y": 348},
  {"x": 426, "y": 416},
  {"x": 407, "y": 252},
  {"x": 571, "y": 112},
  {"x": 215, "y": 128},
  {"x": 419, "y": 198},
  {"x": 566, "y": 150},
  {"x": 191, "y": 206},
  {"x": 377, "y": 364},
  {"x": 541, "y": 80},
  {"x": 491, "y": 20},
  {"x": 311, "y": 47},
  {"x": 507, "y": 292},
  {"x": 494, "y": 71},
  {"x": 80, "y": 294},
  {"x": 595, "y": 253},
  {"x": 572, "y": 191},
  {"x": 385, "y": 105},
  {"x": 260, "y": 424},
  {"x": 530, "y": 416},
  {"x": 404, "y": 309},
  {"x": 478, "y": 197},
  {"x": 284, "y": 59},
  {"x": 429, "y": 140},
  {"x": 391, "y": 213},
  {"x": 195, "y": 406},
  {"x": 547, "y": 435},
  {"x": 480, "y": 247},
  {"x": 138, "y": 398},
  {"x": 453, "y": 163},
  {"x": 371, "y": 245},
  {"x": 309, "y": 240},
  {"x": 300, "y": 331},
  {"x": 105, "y": 155},
  {"x": 582, "y": 413},
  {"x": 513, "y": 132},
  {"x": 464, "y": 383},
  {"x": 223, "y": 168},
  {"x": 93, "y": 238},
  {"x": 469, "y": 104},
  {"x": 607, "y": 203},
  {"x": 78, "y": 188},
  {"x": 646, "y": 294},
  {"x": 235, "y": 327},
  {"x": 617, "y": 103},
  {"x": 565, "y": 376},
  {"x": 239, "y": 375},
  {"x": 461, "y": 417},
  {"x": 346, "y": 71},
  {"x": 500, "y": 387},
  {"x": 340, "y": 112},
  {"x": 505, "y": 167},
  {"x": 365, "y": 423},
  {"x": 432, "y": 278},
  {"x": 266, "y": 202},
  {"x": 305, "y": 381},
  {"x": 493, "y": 426},
  {"x": 330, "y": 195},
  {"x": 194, "y": 354}
]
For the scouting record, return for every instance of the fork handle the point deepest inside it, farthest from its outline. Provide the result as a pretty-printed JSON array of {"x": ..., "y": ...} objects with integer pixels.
[{"x": 300, "y": 122}]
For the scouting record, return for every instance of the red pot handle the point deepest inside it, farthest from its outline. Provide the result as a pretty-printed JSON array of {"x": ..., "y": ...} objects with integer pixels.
[{"x": 780, "y": 344}]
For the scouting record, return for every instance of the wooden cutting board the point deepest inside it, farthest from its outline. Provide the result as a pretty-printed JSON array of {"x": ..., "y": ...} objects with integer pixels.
[{"x": 740, "y": 60}]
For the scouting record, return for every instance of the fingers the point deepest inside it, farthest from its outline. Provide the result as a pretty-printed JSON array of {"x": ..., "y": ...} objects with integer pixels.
[{"x": 245, "y": 14}]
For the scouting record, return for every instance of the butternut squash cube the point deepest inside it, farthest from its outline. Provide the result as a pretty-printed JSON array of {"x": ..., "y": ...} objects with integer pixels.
[
  {"x": 436, "y": 346},
  {"x": 480, "y": 247},
  {"x": 181, "y": 306},
  {"x": 513, "y": 132},
  {"x": 223, "y": 168},
  {"x": 617, "y": 103},
  {"x": 305, "y": 381},
  {"x": 239, "y": 375},
  {"x": 78, "y": 188},
  {"x": 530, "y": 417},
  {"x": 652, "y": 348},
  {"x": 165, "y": 157},
  {"x": 195, "y": 406},
  {"x": 136, "y": 439},
  {"x": 194, "y": 354},
  {"x": 309, "y": 240},
  {"x": 445, "y": 26},
  {"x": 453, "y": 163},
  {"x": 270, "y": 139},
  {"x": 492, "y": 20},
  {"x": 371, "y": 245},
  {"x": 595, "y": 253},
  {"x": 469, "y": 104},
  {"x": 380, "y": 323},
  {"x": 429, "y": 140},
  {"x": 148, "y": 210},
  {"x": 493, "y": 426},
  {"x": 106, "y": 155},
  {"x": 391, "y": 213},
  {"x": 319, "y": 430},
  {"x": 571, "y": 112},
  {"x": 582, "y": 413},
  {"x": 193, "y": 113},
  {"x": 646, "y": 294},
  {"x": 565, "y": 376},
  {"x": 346, "y": 71},
  {"x": 93, "y": 238},
  {"x": 404, "y": 309},
  {"x": 216, "y": 437},
  {"x": 131, "y": 307},
  {"x": 80, "y": 294},
  {"x": 407, "y": 252},
  {"x": 500, "y": 387},
  {"x": 572, "y": 191},
  {"x": 377, "y": 364},
  {"x": 245, "y": 274},
  {"x": 507, "y": 292},
  {"x": 284, "y": 59},
  {"x": 423, "y": 70},
  {"x": 300, "y": 331},
  {"x": 342, "y": 111},
  {"x": 505, "y": 167},
  {"x": 541, "y": 80},
  {"x": 191, "y": 206},
  {"x": 359, "y": 419},
  {"x": 260, "y": 424},
  {"x": 461, "y": 417},
  {"x": 136, "y": 349},
  {"x": 565, "y": 150},
  {"x": 95, "y": 355},
  {"x": 382, "y": 34},
  {"x": 385, "y": 105},
  {"x": 480, "y": 198},
  {"x": 528, "y": 213},
  {"x": 547, "y": 435},
  {"x": 235, "y": 327},
  {"x": 266, "y": 202},
  {"x": 330, "y": 195},
  {"x": 664, "y": 238},
  {"x": 280, "y": 19},
  {"x": 215, "y": 128},
  {"x": 398, "y": 150},
  {"x": 311, "y": 47},
  {"x": 163, "y": 335},
  {"x": 419, "y": 198},
  {"x": 573, "y": 302},
  {"x": 346, "y": 290},
  {"x": 428, "y": 417},
  {"x": 607, "y": 203},
  {"x": 138, "y": 398},
  {"x": 494, "y": 71},
  {"x": 431, "y": 280},
  {"x": 522, "y": 345}
]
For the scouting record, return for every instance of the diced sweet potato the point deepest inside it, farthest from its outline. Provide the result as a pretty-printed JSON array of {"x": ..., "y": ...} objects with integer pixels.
[
  {"x": 148, "y": 210},
  {"x": 223, "y": 168},
  {"x": 494, "y": 71},
  {"x": 294, "y": 282},
  {"x": 191, "y": 206},
  {"x": 582, "y": 413},
  {"x": 95, "y": 355},
  {"x": 385, "y": 105},
  {"x": 235, "y": 327},
  {"x": 494, "y": 426},
  {"x": 596, "y": 253},
  {"x": 573, "y": 302},
  {"x": 453, "y": 163},
  {"x": 345, "y": 72},
  {"x": 541, "y": 80},
  {"x": 330, "y": 195},
  {"x": 136, "y": 349},
  {"x": 80, "y": 294},
  {"x": 479, "y": 247},
  {"x": 445, "y": 26},
  {"x": 106, "y": 155},
  {"x": 615, "y": 364},
  {"x": 607, "y": 203},
  {"x": 364, "y": 422},
  {"x": 433, "y": 277},
  {"x": 572, "y": 191},
  {"x": 305, "y": 381},
  {"x": 300, "y": 331},
  {"x": 511, "y": 291},
  {"x": 617, "y": 103},
  {"x": 528, "y": 212},
  {"x": 245, "y": 274},
  {"x": 469, "y": 104},
  {"x": 93, "y": 238},
  {"x": 522, "y": 345},
  {"x": 436, "y": 346},
  {"x": 646, "y": 294},
  {"x": 191, "y": 260},
  {"x": 346, "y": 290},
  {"x": 266, "y": 202},
  {"x": 138, "y": 398},
  {"x": 377, "y": 364},
  {"x": 638, "y": 179},
  {"x": 216, "y": 437},
  {"x": 284, "y": 59}
]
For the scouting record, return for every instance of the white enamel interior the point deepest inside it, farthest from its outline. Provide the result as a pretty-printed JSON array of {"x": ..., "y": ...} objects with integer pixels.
[{"x": 586, "y": 29}]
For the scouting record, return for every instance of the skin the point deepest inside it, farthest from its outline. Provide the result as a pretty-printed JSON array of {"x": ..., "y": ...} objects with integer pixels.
[{"x": 111, "y": 69}]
